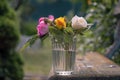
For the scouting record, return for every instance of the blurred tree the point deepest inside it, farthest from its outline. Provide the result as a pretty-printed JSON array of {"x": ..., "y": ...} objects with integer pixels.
[
  {"x": 10, "y": 60},
  {"x": 16, "y": 3},
  {"x": 101, "y": 11},
  {"x": 115, "y": 47}
]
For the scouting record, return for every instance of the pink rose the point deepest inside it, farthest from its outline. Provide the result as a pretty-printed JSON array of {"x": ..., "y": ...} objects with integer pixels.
[
  {"x": 51, "y": 17},
  {"x": 42, "y": 27},
  {"x": 41, "y": 19}
]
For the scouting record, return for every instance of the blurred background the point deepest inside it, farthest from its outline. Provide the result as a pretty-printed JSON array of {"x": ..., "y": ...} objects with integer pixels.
[{"x": 18, "y": 21}]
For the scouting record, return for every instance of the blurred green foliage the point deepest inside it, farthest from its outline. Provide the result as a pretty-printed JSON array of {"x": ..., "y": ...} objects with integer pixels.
[
  {"x": 9, "y": 35},
  {"x": 28, "y": 28},
  {"x": 10, "y": 60},
  {"x": 102, "y": 36},
  {"x": 104, "y": 31},
  {"x": 117, "y": 58}
]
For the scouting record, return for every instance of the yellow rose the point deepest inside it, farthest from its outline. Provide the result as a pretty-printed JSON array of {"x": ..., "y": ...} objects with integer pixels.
[{"x": 60, "y": 23}]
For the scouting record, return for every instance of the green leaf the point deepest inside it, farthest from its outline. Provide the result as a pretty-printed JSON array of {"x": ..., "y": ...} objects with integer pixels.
[
  {"x": 29, "y": 42},
  {"x": 69, "y": 30},
  {"x": 44, "y": 37}
]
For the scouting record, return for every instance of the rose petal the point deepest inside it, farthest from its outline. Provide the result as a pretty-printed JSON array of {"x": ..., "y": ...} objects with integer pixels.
[
  {"x": 51, "y": 17},
  {"x": 41, "y": 19},
  {"x": 78, "y": 22},
  {"x": 42, "y": 29}
]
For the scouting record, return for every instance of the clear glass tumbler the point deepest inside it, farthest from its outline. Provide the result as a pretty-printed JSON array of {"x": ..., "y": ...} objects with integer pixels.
[{"x": 63, "y": 55}]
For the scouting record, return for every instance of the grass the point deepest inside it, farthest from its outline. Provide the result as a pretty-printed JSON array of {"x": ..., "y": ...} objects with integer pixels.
[{"x": 38, "y": 61}]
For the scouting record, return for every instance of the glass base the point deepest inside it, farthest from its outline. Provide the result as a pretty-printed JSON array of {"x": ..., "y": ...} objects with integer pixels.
[{"x": 64, "y": 73}]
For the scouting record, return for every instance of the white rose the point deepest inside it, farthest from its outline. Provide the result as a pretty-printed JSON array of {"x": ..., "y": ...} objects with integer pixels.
[{"x": 78, "y": 22}]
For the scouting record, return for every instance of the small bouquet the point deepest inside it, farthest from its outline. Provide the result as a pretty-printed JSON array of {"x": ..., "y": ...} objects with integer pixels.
[{"x": 60, "y": 28}]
